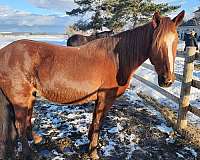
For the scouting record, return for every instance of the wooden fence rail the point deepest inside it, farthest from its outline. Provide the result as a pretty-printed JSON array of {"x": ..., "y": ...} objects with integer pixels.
[{"x": 187, "y": 82}]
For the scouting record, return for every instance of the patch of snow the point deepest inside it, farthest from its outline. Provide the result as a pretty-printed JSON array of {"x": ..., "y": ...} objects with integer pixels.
[
  {"x": 19, "y": 144},
  {"x": 121, "y": 137},
  {"x": 192, "y": 151},
  {"x": 108, "y": 148},
  {"x": 115, "y": 129},
  {"x": 179, "y": 155},
  {"x": 163, "y": 128},
  {"x": 56, "y": 120},
  {"x": 132, "y": 146},
  {"x": 58, "y": 158},
  {"x": 82, "y": 141},
  {"x": 170, "y": 140},
  {"x": 32, "y": 120},
  {"x": 44, "y": 126},
  {"x": 61, "y": 135},
  {"x": 71, "y": 116},
  {"x": 119, "y": 118},
  {"x": 57, "y": 125},
  {"x": 55, "y": 152}
]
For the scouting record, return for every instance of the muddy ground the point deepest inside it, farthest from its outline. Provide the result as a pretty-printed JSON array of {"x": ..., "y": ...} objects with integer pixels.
[
  {"x": 197, "y": 67},
  {"x": 132, "y": 130}
]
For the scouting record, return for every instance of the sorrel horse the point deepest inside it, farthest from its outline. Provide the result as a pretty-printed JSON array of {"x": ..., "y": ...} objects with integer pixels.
[
  {"x": 100, "y": 70},
  {"x": 78, "y": 39}
]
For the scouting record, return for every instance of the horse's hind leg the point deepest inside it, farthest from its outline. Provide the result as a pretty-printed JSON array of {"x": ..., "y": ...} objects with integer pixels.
[
  {"x": 23, "y": 123},
  {"x": 21, "y": 97},
  {"x": 12, "y": 133},
  {"x": 7, "y": 129}
]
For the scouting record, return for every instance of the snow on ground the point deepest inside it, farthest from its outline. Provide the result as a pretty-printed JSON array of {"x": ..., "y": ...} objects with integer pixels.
[
  {"x": 117, "y": 138},
  {"x": 131, "y": 130}
]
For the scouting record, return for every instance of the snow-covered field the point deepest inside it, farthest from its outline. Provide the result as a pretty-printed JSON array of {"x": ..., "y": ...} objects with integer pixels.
[
  {"x": 54, "y": 39},
  {"x": 52, "y": 117}
]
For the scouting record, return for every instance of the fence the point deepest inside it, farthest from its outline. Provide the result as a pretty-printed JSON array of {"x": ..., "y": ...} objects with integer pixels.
[{"x": 187, "y": 82}]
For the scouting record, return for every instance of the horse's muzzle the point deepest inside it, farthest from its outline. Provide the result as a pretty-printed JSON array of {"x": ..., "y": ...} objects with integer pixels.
[{"x": 165, "y": 82}]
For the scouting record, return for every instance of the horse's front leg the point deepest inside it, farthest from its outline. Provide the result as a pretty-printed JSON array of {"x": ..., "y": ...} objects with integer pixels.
[
  {"x": 29, "y": 124},
  {"x": 29, "y": 132},
  {"x": 102, "y": 105},
  {"x": 22, "y": 101}
]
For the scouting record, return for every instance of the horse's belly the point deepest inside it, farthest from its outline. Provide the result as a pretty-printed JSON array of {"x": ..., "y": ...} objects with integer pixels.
[{"x": 76, "y": 93}]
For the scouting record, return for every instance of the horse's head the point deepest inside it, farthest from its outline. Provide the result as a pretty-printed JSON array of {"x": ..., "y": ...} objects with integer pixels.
[{"x": 164, "y": 47}]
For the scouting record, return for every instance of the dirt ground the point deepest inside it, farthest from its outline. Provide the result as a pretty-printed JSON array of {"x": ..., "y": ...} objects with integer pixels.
[
  {"x": 197, "y": 67},
  {"x": 132, "y": 130}
]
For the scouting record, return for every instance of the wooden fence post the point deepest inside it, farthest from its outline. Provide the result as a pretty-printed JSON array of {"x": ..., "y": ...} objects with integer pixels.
[{"x": 185, "y": 87}]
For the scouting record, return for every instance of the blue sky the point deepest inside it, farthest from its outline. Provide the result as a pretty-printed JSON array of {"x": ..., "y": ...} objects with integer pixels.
[
  {"x": 24, "y": 6},
  {"x": 49, "y": 15},
  {"x": 188, "y": 5}
]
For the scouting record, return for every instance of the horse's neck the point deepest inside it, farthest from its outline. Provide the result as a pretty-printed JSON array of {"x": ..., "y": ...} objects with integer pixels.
[{"x": 134, "y": 48}]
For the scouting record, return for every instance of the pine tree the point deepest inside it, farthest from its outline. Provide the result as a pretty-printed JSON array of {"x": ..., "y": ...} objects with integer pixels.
[{"x": 116, "y": 14}]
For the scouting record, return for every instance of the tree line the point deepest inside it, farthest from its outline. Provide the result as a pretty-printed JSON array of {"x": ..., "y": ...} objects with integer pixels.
[{"x": 116, "y": 14}]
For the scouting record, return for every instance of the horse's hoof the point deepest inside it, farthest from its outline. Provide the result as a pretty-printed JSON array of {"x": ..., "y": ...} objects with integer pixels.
[
  {"x": 37, "y": 139},
  {"x": 9, "y": 157},
  {"x": 1, "y": 156},
  {"x": 94, "y": 155},
  {"x": 27, "y": 153},
  {"x": 28, "y": 157}
]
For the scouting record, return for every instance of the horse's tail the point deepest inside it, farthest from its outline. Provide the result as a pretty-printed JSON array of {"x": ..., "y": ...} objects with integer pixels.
[{"x": 8, "y": 130}]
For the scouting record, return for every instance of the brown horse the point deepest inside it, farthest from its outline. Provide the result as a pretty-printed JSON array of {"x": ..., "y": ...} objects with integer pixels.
[
  {"x": 100, "y": 70},
  {"x": 78, "y": 39}
]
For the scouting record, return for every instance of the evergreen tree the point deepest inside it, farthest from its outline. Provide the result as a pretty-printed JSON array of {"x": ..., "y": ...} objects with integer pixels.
[{"x": 115, "y": 14}]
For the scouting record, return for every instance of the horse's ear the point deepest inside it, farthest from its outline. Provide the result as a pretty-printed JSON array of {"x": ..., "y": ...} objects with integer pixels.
[
  {"x": 156, "y": 19},
  {"x": 179, "y": 18}
]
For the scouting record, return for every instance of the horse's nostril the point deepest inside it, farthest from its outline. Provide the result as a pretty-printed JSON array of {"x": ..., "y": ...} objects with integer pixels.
[{"x": 169, "y": 82}]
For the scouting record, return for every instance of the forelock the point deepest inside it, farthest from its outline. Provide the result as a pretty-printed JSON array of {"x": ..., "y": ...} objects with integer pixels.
[{"x": 165, "y": 26}]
